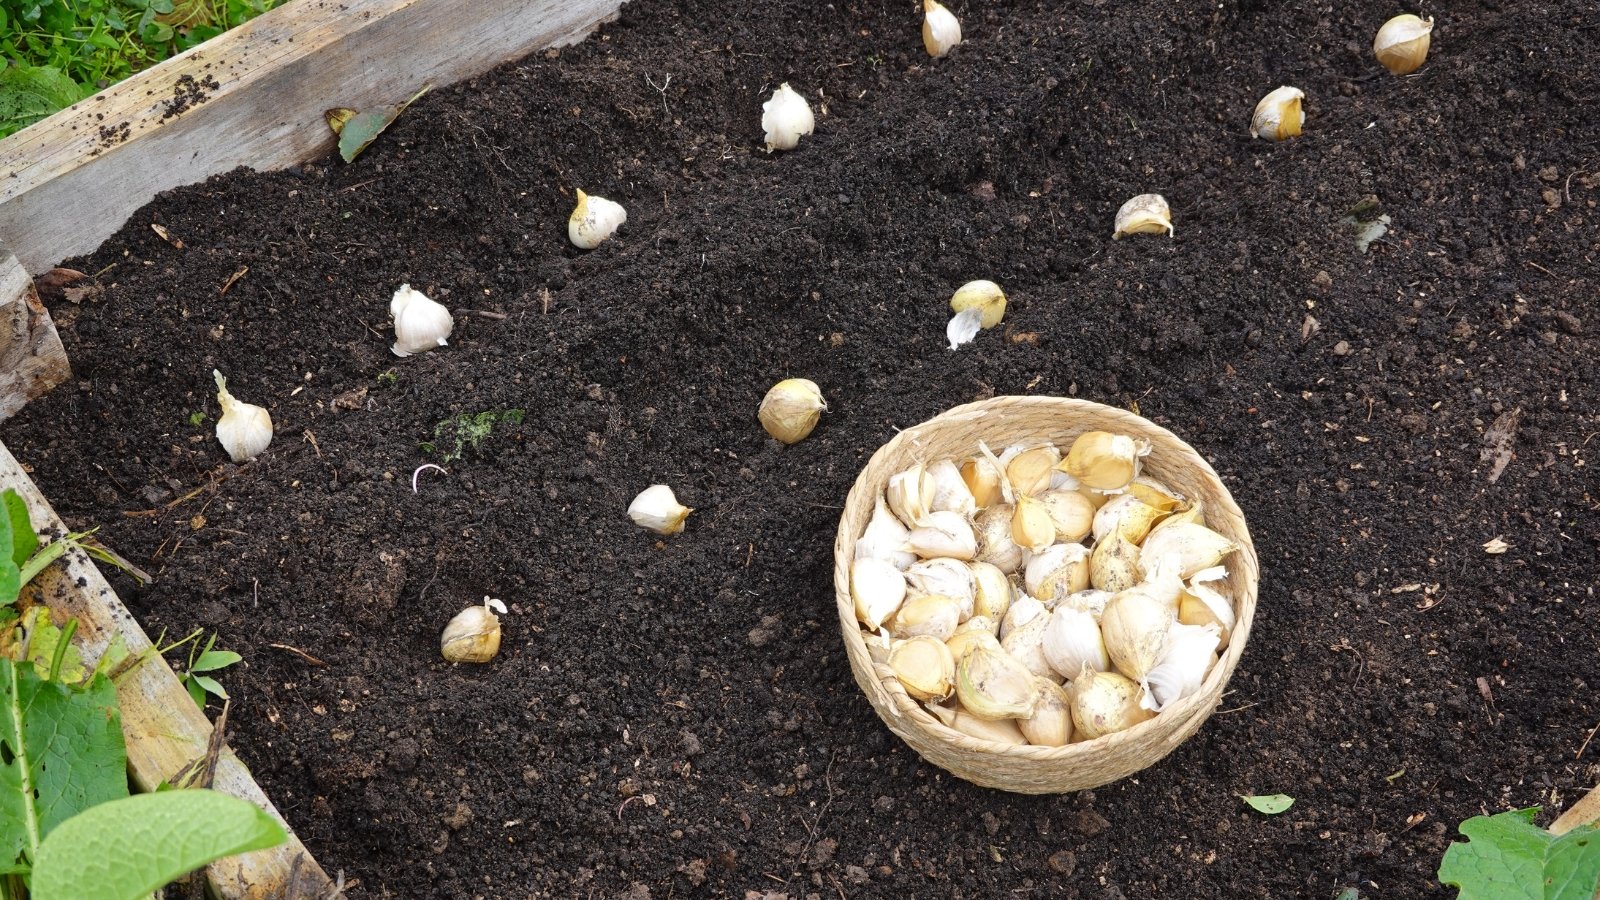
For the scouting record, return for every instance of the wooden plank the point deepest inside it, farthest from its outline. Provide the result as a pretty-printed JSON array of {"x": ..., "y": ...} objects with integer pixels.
[
  {"x": 1585, "y": 812},
  {"x": 252, "y": 97},
  {"x": 163, "y": 727},
  {"x": 32, "y": 360}
]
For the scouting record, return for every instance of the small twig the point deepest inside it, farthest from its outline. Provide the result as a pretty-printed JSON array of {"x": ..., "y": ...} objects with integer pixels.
[
  {"x": 312, "y": 660},
  {"x": 487, "y": 314},
  {"x": 1586, "y": 740},
  {"x": 419, "y": 472},
  {"x": 662, "y": 90},
  {"x": 313, "y": 439},
  {"x": 1541, "y": 268},
  {"x": 1223, "y": 712},
  {"x": 232, "y": 279}
]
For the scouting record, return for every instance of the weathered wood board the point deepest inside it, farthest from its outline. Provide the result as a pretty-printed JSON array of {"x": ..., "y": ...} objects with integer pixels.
[
  {"x": 252, "y": 97},
  {"x": 32, "y": 360},
  {"x": 164, "y": 729}
]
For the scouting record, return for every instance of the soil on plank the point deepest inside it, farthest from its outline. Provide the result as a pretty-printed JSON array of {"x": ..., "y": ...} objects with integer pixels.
[{"x": 677, "y": 718}]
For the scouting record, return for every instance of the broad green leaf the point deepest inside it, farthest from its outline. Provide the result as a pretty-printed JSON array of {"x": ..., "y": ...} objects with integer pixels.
[
  {"x": 212, "y": 660},
  {"x": 357, "y": 130},
  {"x": 29, "y": 93},
  {"x": 210, "y": 685},
  {"x": 63, "y": 753},
  {"x": 1271, "y": 804},
  {"x": 1507, "y": 857},
  {"x": 22, "y": 538},
  {"x": 196, "y": 692},
  {"x": 125, "y": 849}
]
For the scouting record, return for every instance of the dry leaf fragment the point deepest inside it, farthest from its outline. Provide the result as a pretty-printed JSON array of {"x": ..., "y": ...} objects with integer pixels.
[
  {"x": 232, "y": 279},
  {"x": 1496, "y": 546},
  {"x": 1497, "y": 441},
  {"x": 1309, "y": 328},
  {"x": 161, "y": 232},
  {"x": 356, "y": 399}
]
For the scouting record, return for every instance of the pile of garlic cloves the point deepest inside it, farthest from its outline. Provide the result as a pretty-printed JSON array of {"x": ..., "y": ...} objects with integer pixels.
[{"x": 1036, "y": 597}]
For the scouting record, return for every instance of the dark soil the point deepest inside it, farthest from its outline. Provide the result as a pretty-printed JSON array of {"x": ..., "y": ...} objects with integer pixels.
[{"x": 677, "y": 718}]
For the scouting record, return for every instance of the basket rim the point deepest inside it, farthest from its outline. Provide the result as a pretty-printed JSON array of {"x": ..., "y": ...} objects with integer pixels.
[{"x": 1197, "y": 705}]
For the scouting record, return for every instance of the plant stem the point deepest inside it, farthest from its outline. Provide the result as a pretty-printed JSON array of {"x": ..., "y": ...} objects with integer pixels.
[
  {"x": 30, "y": 814},
  {"x": 47, "y": 554}
]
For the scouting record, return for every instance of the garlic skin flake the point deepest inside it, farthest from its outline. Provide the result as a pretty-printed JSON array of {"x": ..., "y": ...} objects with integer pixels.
[
  {"x": 419, "y": 322},
  {"x": 786, "y": 118},
  {"x": 473, "y": 636},
  {"x": 1190, "y": 653},
  {"x": 1401, "y": 45},
  {"x": 1144, "y": 214},
  {"x": 963, "y": 327},
  {"x": 244, "y": 429},
  {"x": 658, "y": 510},
  {"x": 593, "y": 220},
  {"x": 791, "y": 408},
  {"x": 1280, "y": 115},
  {"x": 940, "y": 30},
  {"x": 883, "y": 538}
]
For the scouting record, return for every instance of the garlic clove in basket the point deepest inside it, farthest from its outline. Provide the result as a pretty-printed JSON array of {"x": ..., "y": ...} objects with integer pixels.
[
  {"x": 991, "y": 684},
  {"x": 924, "y": 666},
  {"x": 1114, "y": 564},
  {"x": 1025, "y": 644},
  {"x": 1000, "y": 731},
  {"x": 1128, "y": 514},
  {"x": 1072, "y": 643},
  {"x": 1104, "y": 461},
  {"x": 935, "y": 615},
  {"x": 1186, "y": 549},
  {"x": 983, "y": 480},
  {"x": 1090, "y": 601},
  {"x": 1071, "y": 512},
  {"x": 995, "y": 544},
  {"x": 965, "y": 640},
  {"x": 992, "y": 594},
  {"x": 1051, "y": 722},
  {"x": 1029, "y": 471},
  {"x": 1155, "y": 494},
  {"x": 943, "y": 533},
  {"x": 950, "y": 492},
  {"x": 1137, "y": 629},
  {"x": 1191, "y": 652},
  {"x": 1024, "y": 609},
  {"x": 1059, "y": 570},
  {"x": 883, "y": 537},
  {"x": 910, "y": 495},
  {"x": 878, "y": 590},
  {"x": 1032, "y": 529},
  {"x": 1105, "y": 703},
  {"x": 950, "y": 577},
  {"x": 1205, "y": 602}
]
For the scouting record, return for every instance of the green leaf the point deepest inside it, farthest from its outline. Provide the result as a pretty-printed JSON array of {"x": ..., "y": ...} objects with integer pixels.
[
  {"x": 45, "y": 640},
  {"x": 1507, "y": 857},
  {"x": 10, "y": 575},
  {"x": 125, "y": 849},
  {"x": 357, "y": 132},
  {"x": 23, "y": 540},
  {"x": 63, "y": 754},
  {"x": 210, "y": 685},
  {"x": 196, "y": 692},
  {"x": 30, "y": 93},
  {"x": 212, "y": 660},
  {"x": 1271, "y": 804}
]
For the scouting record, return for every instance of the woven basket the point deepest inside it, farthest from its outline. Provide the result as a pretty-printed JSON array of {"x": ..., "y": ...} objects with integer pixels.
[{"x": 1000, "y": 422}]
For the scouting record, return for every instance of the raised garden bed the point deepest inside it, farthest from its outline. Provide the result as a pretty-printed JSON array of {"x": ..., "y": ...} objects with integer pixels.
[{"x": 678, "y": 717}]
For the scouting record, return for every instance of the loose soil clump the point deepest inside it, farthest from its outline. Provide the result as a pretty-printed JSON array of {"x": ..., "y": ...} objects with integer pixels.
[{"x": 677, "y": 717}]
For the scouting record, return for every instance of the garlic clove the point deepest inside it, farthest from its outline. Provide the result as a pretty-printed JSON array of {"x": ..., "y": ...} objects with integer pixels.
[
  {"x": 965, "y": 640},
  {"x": 1114, "y": 564},
  {"x": 1091, "y": 601},
  {"x": 1155, "y": 494},
  {"x": 1128, "y": 515},
  {"x": 1184, "y": 549},
  {"x": 593, "y": 220},
  {"x": 1206, "y": 601},
  {"x": 950, "y": 577},
  {"x": 1072, "y": 643},
  {"x": 995, "y": 543},
  {"x": 992, "y": 685},
  {"x": 1105, "y": 703},
  {"x": 980, "y": 623},
  {"x": 791, "y": 408},
  {"x": 419, "y": 322},
  {"x": 984, "y": 296},
  {"x": 1025, "y": 644},
  {"x": 1031, "y": 526},
  {"x": 1071, "y": 512},
  {"x": 786, "y": 118},
  {"x": 243, "y": 429},
  {"x": 910, "y": 495},
  {"x": 883, "y": 537},
  {"x": 999, "y": 731},
  {"x": 1057, "y": 571},
  {"x": 934, "y": 615},
  {"x": 1104, "y": 461},
  {"x": 963, "y": 327},
  {"x": 983, "y": 480},
  {"x": 924, "y": 666},
  {"x": 1191, "y": 650},
  {"x": 474, "y": 634},
  {"x": 1051, "y": 722},
  {"x": 940, "y": 30},
  {"x": 943, "y": 533},
  {"x": 1137, "y": 630},
  {"x": 1023, "y": 610},
  {"x": 657, "y": 509},
  {"x": 878, "y": 590},
  {"x": 992, "y": 591},
  {"x": 1279, "y": 115},
  {"x": 950, "y": 492},
  {"x": 1144, "y": 214},
  {"x": 1401, "y": 45},
  {"x": 1030, "y": 471}
]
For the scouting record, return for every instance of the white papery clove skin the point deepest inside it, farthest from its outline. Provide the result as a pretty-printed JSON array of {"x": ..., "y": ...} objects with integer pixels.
[
  {"x": 244, "y": 429},
  {"x": 786, "y": 118},
  {"x": 657, "y": 509},
  {"x": 594, "y": 220},
  {"x": 420, "y": 323}
]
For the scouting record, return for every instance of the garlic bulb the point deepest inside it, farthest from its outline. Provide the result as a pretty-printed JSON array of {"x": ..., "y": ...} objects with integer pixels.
[
  {"x": 950, "y": 577},
  {"x": 940, "y": 30},
  {"x": 243, "y": 429},
  {"x": 950, "y": 492},
  {"x": 983, "y": 480},
  {"x": 786, "y": 118},
  {"x": 966, "y": 639},
  {"x": 995, "y": 544},
  {"x": 658, "y": 510},
  {"x": 474, "y": 634},
  {"x": 1128, "y": 515},
  {"x": 419, "y": 322},
  {"x": 943, "y": 533},
  {"x": 1031, "y": 526},
  {"x": 884, "y": 537},
  {"x": 1051, "y": 722},
  {"x": 992, "y": 685},
  {"x": 1191, "y": 651},
  {"x": 992, "y": 591},
  {"x": 934, "y": 615},
  {"x": 1071, "y": 512},
  {"x": 593, "y": 220},
  {"x": 1186, "y": 548},
  {"x": 1144, "y": 214},
  {"x": 984, "y": 296},
  {"x": 1105, "y": 703},
  {"x": 1137, "y": 630},
  {"x": 1030, "y": 471},
  {"x": 1104, "y": 461},
  {"x": 1091, "y": 601},
  {"x": 924, "y": 666},
  {"x": 1202, "y": 603},
  {"x": 791, "y": 408},
  {"x": 1023, "y": 610},
  {"x": 910, "y": 495},
  {"x": 1279, "y": 115},
  {"x": 1114, "y": 564},
  {"x": 1072, "y": 643},
  {"x": 1402, "y": 43},
  {"x": 999, "y": 731},
  {"x": 878, "y": 589},
  {"x": 1025, "y": 644},
  {"x": 1057, "y": 571}
]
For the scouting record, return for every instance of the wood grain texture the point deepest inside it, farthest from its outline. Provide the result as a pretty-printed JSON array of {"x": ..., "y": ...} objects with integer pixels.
[
  {"x": 163, "y": 727},
  {"x": 32, "y": 360},
  {"x": 1585, "y": 812},
  {"x": 256, "y": 96}
]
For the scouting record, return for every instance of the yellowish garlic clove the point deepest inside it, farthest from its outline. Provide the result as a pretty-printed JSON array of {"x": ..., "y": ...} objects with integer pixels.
[
  {"x": 1191, "y": 651},
  {"x": 791, "y": 408},
  {"x": 243, "y": 429},
  {"x": 1071, "y": 512},
  {"x": 1072, "y": 643},
  {"x": 1056, "y": 572},
  {"x": 1183, "y": 549},
  {"x": 965, "y": 639},
  {"x": 1402, "y": 43},
  {"x": 1105, "y": 703},
  {"x": 984, "y": 296},
  {"x": 473, "y": 636},
  {"x": 1025, "y": 644},
  {"x": 1155, "y": 494},
  {"x": 657, "y": 509},
  {"x": 1206, "y": 601},
  {"x": 983, "y": 480},
  {"x": 1144, "y": 214},
  {"x": 1091, "y": 601},
  {"x": 1114, "y": 564},
  {"x": 593, "y": 220},
  {"x": 943, "y": 533},
  {"x": 940, "y": 30},
  {"x": 884, "y": 537},
  {"x": 995, "y": 543},
  {"x": 878, "y": 590},
  {"x": 1126, "y": 514},
  {"x": 992, "y": 591},
  {"x": 1031, "y": 526},
  {"x": 1279, "y": 115},
  {"x": 1051, "y": 722},
  {"x": 419, "y": 323},
  {"x": 910, "y": 495},
  {"x": 950, "y": 577},
  {"x": 1104, "y": 461},
  {"x": 786, "y": 118},
  {"x": 1031, "y": 470},
  {"x": 950, "y": 491},
  {"x": 992, "y": 685},
  {"x": 1024, "y": 609},
  {"x": 1137, "y": 630},
  {"x": 934, "y": 615},
  {"x": 998, "y": 731},
  {"x": 924, "y": 666}
]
